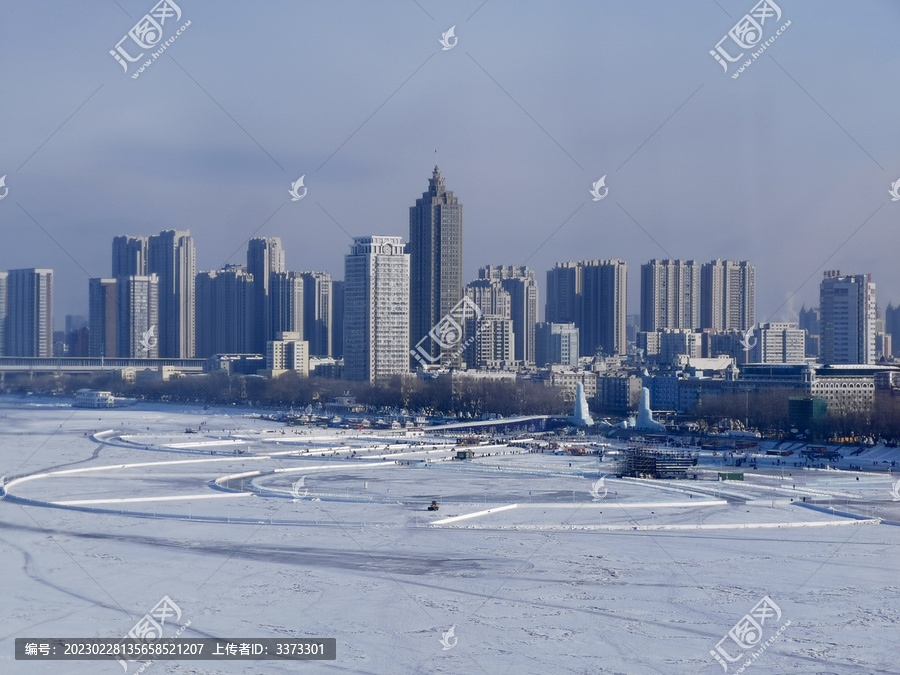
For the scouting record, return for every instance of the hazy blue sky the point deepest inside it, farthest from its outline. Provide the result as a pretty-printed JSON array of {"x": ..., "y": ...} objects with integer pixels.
[{"x": 535, "y": 102}]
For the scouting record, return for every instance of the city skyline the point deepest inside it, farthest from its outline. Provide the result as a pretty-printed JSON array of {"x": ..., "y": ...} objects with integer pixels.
[
  {"x": 635, "y": 298},
  {"x": 126, "y": 320},
  {"x": 493, "y": 326},
  {"x": 717, "y": 294},
  {"x": 162, "y": 254}
]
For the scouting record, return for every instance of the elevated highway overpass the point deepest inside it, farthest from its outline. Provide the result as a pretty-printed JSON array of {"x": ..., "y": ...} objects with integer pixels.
[{"x": 89, "y": 365}]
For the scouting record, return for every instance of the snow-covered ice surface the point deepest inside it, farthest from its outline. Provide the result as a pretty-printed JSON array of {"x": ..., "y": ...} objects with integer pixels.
[{"x": 297, "y": 537}]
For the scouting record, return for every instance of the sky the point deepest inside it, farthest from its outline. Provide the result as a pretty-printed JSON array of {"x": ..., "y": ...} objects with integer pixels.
[{"x": 788, "y": 165}]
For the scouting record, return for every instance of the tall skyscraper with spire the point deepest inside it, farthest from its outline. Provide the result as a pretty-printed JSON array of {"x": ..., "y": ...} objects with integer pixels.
[{"x": 435, "y": 248}]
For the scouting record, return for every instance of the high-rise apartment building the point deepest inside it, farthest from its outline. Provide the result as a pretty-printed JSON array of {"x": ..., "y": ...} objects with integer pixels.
[
  {"x": 286, "y": 290},
  {"x": 670, "y": 294},
  {"x": 592, "y": 295},
  {"x": 435, "y": 251},
  {"x": 491, "y": 345},
  {"x": 376, "y": 309},
  {"x": 337, "y": 319},
  {"x": 172, "y": 258},
  {"x": 727, "y": 295},
  {"x": 603, "y": 305},
  {"x": 265, "y": 255},
  {"x": 563, "y": 293},
  {"x": 317, "y": 312},
  {"x": 847, "y": 315},
  {"x": 521, "y": 284},
  {"x": 129, "y": 256},
  {"x": 29, "y": 321},
  {"x": 490, "y": 297},
  {"x": 102, "y": 339},
  {"x": 224, "y": 311},
  {"x": 490, "y": 336},
  {"x": 137, "y": 316}
]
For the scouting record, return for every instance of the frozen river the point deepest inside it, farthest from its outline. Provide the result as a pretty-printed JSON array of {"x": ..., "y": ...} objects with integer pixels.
[{"x": 531, "y": 565}]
